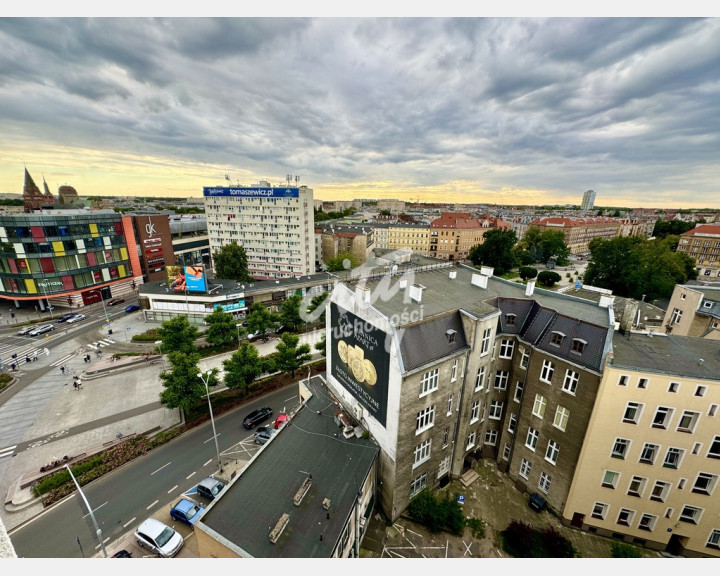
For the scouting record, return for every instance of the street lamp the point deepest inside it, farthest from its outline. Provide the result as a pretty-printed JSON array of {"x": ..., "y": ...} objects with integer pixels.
[
  {"x": 46, "y": 300},
  {"x": 98, "y": 532},
  {"x": 103, "y": 303},
  {"x": 212, "y": 420},
  {"x": 238, "y": 326}
]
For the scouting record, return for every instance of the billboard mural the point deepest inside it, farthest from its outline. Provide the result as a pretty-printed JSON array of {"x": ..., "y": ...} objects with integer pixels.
[
  {"x": 195, "y": 279},
  {"x": 253, "y": 192},
  {"x": 360, "y": 360}
]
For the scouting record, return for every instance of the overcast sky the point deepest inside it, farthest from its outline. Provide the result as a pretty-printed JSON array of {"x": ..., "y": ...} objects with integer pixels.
[{"x": 512, "y": 111}]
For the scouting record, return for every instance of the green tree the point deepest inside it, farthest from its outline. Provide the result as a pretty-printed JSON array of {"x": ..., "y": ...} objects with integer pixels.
[
  {"x": 548, "y": 278},
  {"x": 289, "y": 356},
  {"x": 528, "y": 273},
  {"x": 183, "y": 386},
  {"x": 290, "y": 312},
  {"x": 495, "y": 251},
  {"x": 177, "y": 335},
  {"x": 528, "y": 250},
  {"x": 222, "y": 330},
  {"x": 338, "y": 263},
  {"x": 321, "y": 346},
  {"x": 231, "y": 262},
  {"x": 665, "y": 228},
  {"x": 317, "y": 302},
  {"x": 243, "y": 367},
  {"x": 552, "y": 243},
  {"x": 260, "y": 320}
]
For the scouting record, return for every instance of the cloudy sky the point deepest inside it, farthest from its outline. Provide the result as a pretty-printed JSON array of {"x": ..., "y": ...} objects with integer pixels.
[{"x": 512, "y": 111}]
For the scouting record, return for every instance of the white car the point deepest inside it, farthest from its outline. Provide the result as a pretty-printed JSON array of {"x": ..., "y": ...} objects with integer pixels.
[
  {"x": 41, "y": 330},
  {"x": 159, "y": 538},
  {"x": 76, "y": 318}
]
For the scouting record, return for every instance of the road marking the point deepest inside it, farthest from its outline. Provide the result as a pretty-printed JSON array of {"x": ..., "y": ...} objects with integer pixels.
[
  {"x": 211, "y": 438},
  {"x": 151, "y": 505},
  {"x": 291, "y": 398},
  {"x": 172, "y": 489},
  {"x": 62, "y": 360},
  {"x": 158, "y": 470},
  {"x": 96, "y": 509},
  {"x": 208, "y": 462},
  {"x": 191, "y": 475},
  {"x": 7, "y": 451},
  {"x": 92, "y": 346},
  {"x": 130, "y": 522}
]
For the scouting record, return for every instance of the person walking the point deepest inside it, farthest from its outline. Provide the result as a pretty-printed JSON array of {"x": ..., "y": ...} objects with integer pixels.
[{"x": 62, "y": 369}]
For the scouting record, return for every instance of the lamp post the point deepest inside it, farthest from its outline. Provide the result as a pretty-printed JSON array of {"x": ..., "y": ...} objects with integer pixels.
[
  {"x": 212, "y": 420},
  {"x": 46, "y": 300},
  {"x": 238, "y": 326},
  {"x": 98, "y": 532},
  {"x": 103, "y": 303}
]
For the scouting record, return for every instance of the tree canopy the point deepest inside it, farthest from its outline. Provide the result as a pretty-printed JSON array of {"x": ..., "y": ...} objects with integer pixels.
[
  {"x": 177, "y": 335},
  {"x": 289, "y": 355},
  {"x": 665, "y": 228},
  {"x": 260, "y": 319},
  {"x": 495, "y": 251},
  {"x": 337, "y": 264},
  {"x": 290, "y": 312},
  {"x": 243, "y": 367},
  {"x": 541, "y": 246},
  {"x": 231, "y": 262},
  {"x": 222, "y": 330},
  {"x": 183, "y": 386}
]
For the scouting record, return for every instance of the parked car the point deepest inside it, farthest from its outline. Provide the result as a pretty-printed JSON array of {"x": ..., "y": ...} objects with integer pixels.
[
  {"x": 258, "y": 336},
  {"x": 282, "y": 330},
  {"x": 159, "y": 538},
  {"x": 41, "y": 330},
  {"x": 115, "y": 301},
  {"x": 209, "y": 488},
  {"x": 263, "y": 434},
  {"x": 65, "y": 317},
  {"x": 26, "y": 330},
  {"x": 76, "y": 318},
  {"x": 280, "y": 420},
  {"x": 186, "y": 511},
  {"x": 132, "y": 308},
  {"x": 121, "y": 554},
  {"x": 256, "y": 416}
]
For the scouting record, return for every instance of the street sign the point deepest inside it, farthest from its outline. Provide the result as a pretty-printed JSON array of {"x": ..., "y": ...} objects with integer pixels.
[
  {"x": 461, "y": 499},
  {"x": 578, "y": 285}
]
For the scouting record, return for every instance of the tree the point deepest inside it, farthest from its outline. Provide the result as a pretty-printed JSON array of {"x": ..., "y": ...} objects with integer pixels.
[
  {"x": 547, "y": 278},
  {"x": 315, "y": 303},
  {"x": 183, "y": 386},
  {"x": 322, "y": 346},
  {"x": 338, "y": 263},
  {"x": 495, "y": 251},
  {"x": 540, "y": 246},
  {"x": 289, "y": 356},
  {"x": 290, "y": 312},
  {"x": 243, "y": 367},
  {"x": 222, "y": 330},
  {"x": 665, "y": 228},
  {"x": 231, "y": 262},
  {"x": 528, "y": 273},
  {"x": 177, "y": 335},
  {"x": 260, "y": 319}
]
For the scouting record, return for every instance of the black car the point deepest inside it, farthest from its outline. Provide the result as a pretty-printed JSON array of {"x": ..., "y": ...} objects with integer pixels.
[
  {"x": 282, "y": 329},
  {"x": 256, "y": 416},
  {"x": 65, "y": 317}
]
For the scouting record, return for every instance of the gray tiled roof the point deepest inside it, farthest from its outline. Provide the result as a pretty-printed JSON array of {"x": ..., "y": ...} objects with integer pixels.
[
  {"x": 252, "y": 504},
  {"x": 425, "y": 342}
]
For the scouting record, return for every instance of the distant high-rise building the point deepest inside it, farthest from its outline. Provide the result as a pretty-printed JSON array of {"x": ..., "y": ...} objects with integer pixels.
[{"x": 588, "y": 200}]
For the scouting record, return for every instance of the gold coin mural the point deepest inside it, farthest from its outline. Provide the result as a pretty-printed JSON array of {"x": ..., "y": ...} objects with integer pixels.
[
  {"x": 358, "y": 369},
  {"x": 350, "y": 355},
  {"x": 370, "y": 373},
  {"x": 342, "y": 350}
]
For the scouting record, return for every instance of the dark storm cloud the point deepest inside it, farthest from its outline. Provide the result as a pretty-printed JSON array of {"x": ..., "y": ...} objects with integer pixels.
[{"x": 553, "y": 104}]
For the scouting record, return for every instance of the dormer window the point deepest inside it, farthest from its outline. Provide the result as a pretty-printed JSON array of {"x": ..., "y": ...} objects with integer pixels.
[
  {"x": 556, "y": 338},
  {"x": 510, "y": 319},
  {"x": 578, "y": 346},
  {"x": 450, "y": 334}
]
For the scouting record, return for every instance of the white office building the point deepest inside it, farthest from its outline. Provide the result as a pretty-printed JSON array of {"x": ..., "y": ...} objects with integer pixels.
[{"x": 274, "y": 224}]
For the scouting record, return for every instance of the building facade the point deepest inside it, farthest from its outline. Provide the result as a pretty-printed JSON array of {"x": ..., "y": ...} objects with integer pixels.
[
  {"x": 415, "y": 237},
  {"x": 694, "y": 311},
  {"x": 588, "y": 200},
  {"x": 455, "y": 233},
  {"x": 580, "y": 231},
  {"x": 273, "y": 224},
  {"x": 703, "y": 244}
]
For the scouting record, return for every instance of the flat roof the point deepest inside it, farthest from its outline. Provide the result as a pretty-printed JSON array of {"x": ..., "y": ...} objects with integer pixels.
[{"x": 311, "y": 444}]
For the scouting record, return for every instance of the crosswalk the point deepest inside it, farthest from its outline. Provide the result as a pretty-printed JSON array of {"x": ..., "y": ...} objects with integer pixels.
[
  {"x": 101, "y": 343},
  {"x": 7, "y": 451}
]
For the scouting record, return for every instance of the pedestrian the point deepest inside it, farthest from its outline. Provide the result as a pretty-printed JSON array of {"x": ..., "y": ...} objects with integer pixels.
[
  {"x": 75, "y": 385},
  {"x": 62, "y": 369},
  {"x": 27, "y": 359},
  {"x": 79, "y": 383},
  {"x": 35, "y": 356},
  {"x": 13, "y": 366}
]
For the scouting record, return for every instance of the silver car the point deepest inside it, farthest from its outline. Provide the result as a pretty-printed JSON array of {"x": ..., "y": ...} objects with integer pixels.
[
  {"x": 158, "y": 538},
  {"x": 41, "y": 330}
]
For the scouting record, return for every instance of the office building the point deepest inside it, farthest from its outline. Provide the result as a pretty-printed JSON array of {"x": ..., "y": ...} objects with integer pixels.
[{"x": 588, "y": 200}]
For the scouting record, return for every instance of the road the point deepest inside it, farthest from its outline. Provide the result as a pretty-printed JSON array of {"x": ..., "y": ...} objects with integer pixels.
[{"x": 124, "y": 498}]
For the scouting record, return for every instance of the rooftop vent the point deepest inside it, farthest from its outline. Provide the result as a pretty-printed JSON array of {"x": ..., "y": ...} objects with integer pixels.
[
  {"x": 326, "y": 503},
  {"x": 453, "y": 274},
  {"x": 302, "y": 491},
  {"x": 530, "y": 288},
  {"x": 487, "y": 271},
  {"x": 479, "y": 280},
  {"x": 279, "y": 527},
  {"x": 606, "y": 301},
  {"x": 416, "y": 292},
  {"x": 403, "y": 283}
]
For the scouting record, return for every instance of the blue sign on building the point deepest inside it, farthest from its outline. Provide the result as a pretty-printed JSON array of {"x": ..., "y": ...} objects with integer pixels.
[{"x": 253, "y": 192}]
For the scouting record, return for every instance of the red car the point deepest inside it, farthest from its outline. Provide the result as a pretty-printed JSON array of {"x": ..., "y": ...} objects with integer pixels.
[{"x": 280, "y": 420}]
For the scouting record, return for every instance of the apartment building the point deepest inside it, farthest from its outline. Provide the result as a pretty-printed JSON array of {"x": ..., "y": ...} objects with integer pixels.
[
  {"x": 588, "y": 200},
  {"x": 703, "y": 244},
  {"x": 415, "y": 237},
  {"x": 580, "y": 231},
  {"x": 273, "y": 224},
  {"x": 455, "y": 233},
  {"x": 356, "y": 241},
  {"x": 650, "y": 462},
  {"x": 694, "y": 311}
]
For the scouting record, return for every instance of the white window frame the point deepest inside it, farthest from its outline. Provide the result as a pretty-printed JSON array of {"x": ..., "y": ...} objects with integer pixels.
[
  {"x": 485, "y": 343},
  {"x": 507, "y": 347},
  {"x": 561, "y": 418},
  {"x": 475, "y": 412},
  {"x": 615, "y": 479},
  {"x": 636, "y": 417},
  {"x": 559, "y": 336},
  {"x": 453, "y": 370},
  {"x": 471, "y": 440},
  {"x": 552, "y": 452},
  {"x": 547, "y": 372},
  {"x": 444, "y": 466},
  {"x": 429, "y": 382},
  {"x": 501, "y": 379},
  {"x": 491, "y": 437},
  {"x": 661, "y": 494},
  {"x": 599, "y": 510},
  {"x": 620, "y": 454},
  {"x": 647, "y": 522},
  {"x": 425, "y": 419},
  {"x": 507, "y": 449},
  {"x": 519, "y": 389},
  {"x": 418, "y": 485},
  {"x": 450, "y": 405},
  {"x": 690, "y": 427},
  {"x": 709, "y": 481},
  {"x": 691, "y": 514},
  {"x": 714, "y": 450},
  {"x": 629, "y": 515},
  {"x": 524, "y": 359},
  {"x": 673, "y": 462},
  {"x": 544, "y": 482},
  {"x": 713, "y": 540},
  {"x": 512, "y": 423},
  {"x": 480, "y": 379},
  {"x": 525, "y": 468},
  {"x": 637, "y": 486},
  {"x": 667, "y": 413},
  {"x": 531, "y": 439},
  {"x": 496, "y": 408},
  {"x": 539, "y": 406},
  {"x": 422, "y": 452},
  {"x": 654, "y": 450},
  {"x": 570, "y": 381}
]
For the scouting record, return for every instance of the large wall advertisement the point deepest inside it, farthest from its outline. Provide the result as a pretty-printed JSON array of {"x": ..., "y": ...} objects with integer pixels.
[
  {"x": 186, "y": 278},
  {"x": 253, "y": 192},
  {"x": 360, "y": 360}
]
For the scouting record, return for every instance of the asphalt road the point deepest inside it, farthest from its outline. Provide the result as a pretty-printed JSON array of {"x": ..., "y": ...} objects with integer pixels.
[{"x": 124, "y": 498}]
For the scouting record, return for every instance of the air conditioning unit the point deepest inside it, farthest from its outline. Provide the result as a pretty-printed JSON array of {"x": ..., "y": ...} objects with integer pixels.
[{"x": 358, "y": 412}]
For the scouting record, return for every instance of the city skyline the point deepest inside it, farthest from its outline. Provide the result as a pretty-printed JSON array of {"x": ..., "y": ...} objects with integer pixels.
[{"x": 511, "y": 111}]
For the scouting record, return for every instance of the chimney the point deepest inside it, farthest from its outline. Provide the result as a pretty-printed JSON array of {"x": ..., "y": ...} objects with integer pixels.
[
  {"x": 487, "y": 270},
  {"x": 479, "y": 280},
  {"x": 362, "y": 294},
  {"x": 530, "y": 288},
  {"x": 403, "y": 283},
  {"x": 416, "y": 292},
  {"x": 453, "y": 274}
]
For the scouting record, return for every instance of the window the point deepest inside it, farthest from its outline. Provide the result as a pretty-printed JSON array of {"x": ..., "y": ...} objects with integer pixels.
[
  {"x": 648, "y": 454},
  {"x": 506, "y": 451},
  {"x": 632, "y": 413},
  {"x": 674, "y": 387},
  {"x": 491, "y": 437},
  {"x": 610, "y": 479},
  {"x": 495, "y": 410},
  {"x": 446, "y": 437},
  {"x": 547, "y": 371},
  {"x": 700, "y": 391},
  {"x": 673, "y": 458},
  {"x": 681, "y": 483},
  {"x": 637, "y": 486},
  {"x": 714, "y": 539},
  {"x": 453, "y": 373},
  {"x": 623, "y": 381},
  {"x": 544, "y": 482},
  {"x": 429, "y": 382},
  {"x": 425, "y": 419},
  {"x": 562, "y": 415},
  {"x": 578, "y": 346},
  {"x": 714, "y": 451},
  {"x": 552, "y": 451},
  {"x": 539, "y": 406},
  {"x": 422, "y": 453},
  {"x": 625, "y": 517},
  {"x": 518, "y": 391},
  {"x": 642, "y": 383},
  {"x": 449, "y": 406},
  {"x": 501, "y": 379},
  {"x": 620, "y": 448},
  {"x": 688, "y": 420},
  {"x": 470, "y": 441},
  {"x": 705, "y": 483},
  {"x": 556, "y": 338},
  {"x": 532, "y": 438},
  {"x": 676, "y": 316},
  {"x": 525, "y": 468},
  {"x": 660, "y": 491},
  {"x": 480, "y": 379},
  {"x": 450, "y": 336},
  {"x": 570, "y": 381},
  {"x": 444, "y": 467},
  {"x": 599, "y": 510},
  {"x": 418, "y": 485},
  {"x": 506, "y": 348},
  {"x": 512, "y": 423},
  {"x": 712, "y": 410},
  {"x": 485, "y": 347},
  {"x": 662, "y": 417},
  {"x": 524, "y": 359},
  {"x": 691, "y": 514},
  {"x": 475, "y": 412},
  {"x": 510, "y": 319},
  {"x": 647, "y": 522}
]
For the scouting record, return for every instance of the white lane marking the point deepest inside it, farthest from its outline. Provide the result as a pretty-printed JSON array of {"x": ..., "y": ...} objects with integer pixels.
[
  {"x": 151, "y": 505},
  {"x": 208, "y": 462},
  {"x": 130, "y": 522},
  {"x": 95, "y": 510},
  {"x": 211, "y": 438},
  {"x": 191, "y": 475},
  {"x": 172, "y": 489},
  {"x": 158, "y": 470}
]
